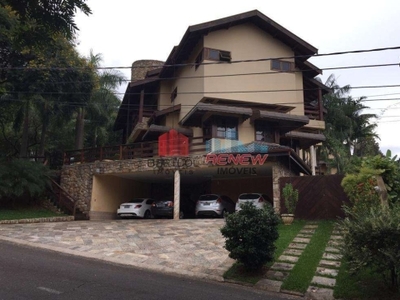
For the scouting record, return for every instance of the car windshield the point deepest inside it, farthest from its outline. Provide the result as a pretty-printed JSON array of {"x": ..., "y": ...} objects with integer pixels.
[
  {"x": 136, "y": 201},
  {"x": 249, "y": 196},
  {"x": 208, "y": 197}
]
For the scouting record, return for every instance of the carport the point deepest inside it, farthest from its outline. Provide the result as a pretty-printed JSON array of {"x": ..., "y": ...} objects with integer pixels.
[{"x": 186, "y": 178}]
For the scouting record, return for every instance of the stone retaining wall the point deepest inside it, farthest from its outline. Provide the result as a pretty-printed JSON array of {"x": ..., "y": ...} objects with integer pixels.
[{"x": 77, "y": 179}]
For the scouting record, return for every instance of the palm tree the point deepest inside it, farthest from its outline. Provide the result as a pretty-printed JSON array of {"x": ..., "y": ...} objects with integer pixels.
[
  {"x": 346, "y": 124},
  {"x": 103, "y": 103}
]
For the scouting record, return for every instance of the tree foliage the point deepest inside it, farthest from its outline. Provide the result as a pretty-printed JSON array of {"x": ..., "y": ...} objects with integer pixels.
[
  {"x": 371, "y": 228},
  {"x": 22, "y": 182},
  {"x": 360, "y": 186},
  {"x": 49, "y": 16},
  {"x": 349, "y": 130},
  {"x": 250, "y": 235},
  {"x": 48, "y": 92}
]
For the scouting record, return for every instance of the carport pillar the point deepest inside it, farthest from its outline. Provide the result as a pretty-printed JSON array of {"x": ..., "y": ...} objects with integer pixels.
[
  {"x": 313, "y": 155},
  {"x": 177, "y": 194}
]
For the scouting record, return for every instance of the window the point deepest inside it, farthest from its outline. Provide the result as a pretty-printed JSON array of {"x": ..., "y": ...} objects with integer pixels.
[
  {"x": 226, "y": 129},
  {"x": 221, "y": 127},
  {"x": 174, "y": 94},
  {"x": 212, "y": 54},
  {"x": 281, "y": 65},
  {"x": 265, "y": 133}
]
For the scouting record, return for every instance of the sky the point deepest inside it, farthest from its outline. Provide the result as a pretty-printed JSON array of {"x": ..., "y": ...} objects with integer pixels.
[{"x": 124, "y": 31}]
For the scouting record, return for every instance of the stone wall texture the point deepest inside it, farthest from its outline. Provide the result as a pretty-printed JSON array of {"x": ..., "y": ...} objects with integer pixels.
[
  {"x": 77, "y": 179},
  {"x": 141, "y": 67},
  {"x": 279, "y": 170}
]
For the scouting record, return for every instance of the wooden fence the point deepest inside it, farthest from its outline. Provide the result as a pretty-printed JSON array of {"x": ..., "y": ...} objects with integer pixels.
[{"x": 320, "y": 197}]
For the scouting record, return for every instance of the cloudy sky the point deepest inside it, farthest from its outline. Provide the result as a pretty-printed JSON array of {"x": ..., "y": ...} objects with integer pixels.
[{"x": 124, "y": 31}]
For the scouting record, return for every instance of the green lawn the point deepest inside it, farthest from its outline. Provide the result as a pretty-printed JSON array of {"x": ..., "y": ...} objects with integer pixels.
[
  {"x": 301, "y": 275},
  {"x": 26, "y": 213}
]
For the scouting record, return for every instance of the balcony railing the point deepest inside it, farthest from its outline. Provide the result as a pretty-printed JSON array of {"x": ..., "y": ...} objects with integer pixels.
[
  {"x": 312, "y": 112},
  {"x": 127, "y": 151}
]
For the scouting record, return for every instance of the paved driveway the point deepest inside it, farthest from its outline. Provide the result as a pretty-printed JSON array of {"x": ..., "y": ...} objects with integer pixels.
[{"x": 186, "y": 247}]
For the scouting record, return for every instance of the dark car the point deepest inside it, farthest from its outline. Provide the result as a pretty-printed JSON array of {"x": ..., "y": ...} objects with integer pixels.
[{"x": 165, "y": 208}]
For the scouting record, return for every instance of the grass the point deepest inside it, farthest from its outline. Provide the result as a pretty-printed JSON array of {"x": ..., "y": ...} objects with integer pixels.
[
  {"x": 26, "y": 213},
  {"x": 286, "y": 236},
  {"x": 362, "y": 285},
  {"x": 301, "y": 275}
]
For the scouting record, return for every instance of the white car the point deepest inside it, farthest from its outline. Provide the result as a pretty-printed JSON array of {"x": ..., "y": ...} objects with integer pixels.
[
  {"x": 139, "y": 208},
  {"x": 214, "y": 205},
  {"x": 259, "y": 200}
]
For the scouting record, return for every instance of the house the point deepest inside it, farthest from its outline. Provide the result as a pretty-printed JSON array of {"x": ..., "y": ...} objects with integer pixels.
[{"x": 234, "y": 107}]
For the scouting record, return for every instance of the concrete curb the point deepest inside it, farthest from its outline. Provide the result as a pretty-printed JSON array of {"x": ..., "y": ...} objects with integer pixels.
[{"x": 39, "y": 220}]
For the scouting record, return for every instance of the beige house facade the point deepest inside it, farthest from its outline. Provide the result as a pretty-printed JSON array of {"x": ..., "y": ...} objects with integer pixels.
[{"x": 238, "y": 86}]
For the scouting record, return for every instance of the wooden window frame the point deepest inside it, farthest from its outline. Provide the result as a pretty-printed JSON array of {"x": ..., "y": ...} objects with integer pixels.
[
  {"x": 205, "y": 54},
  {"x": 210, "y": 129},
  {"x": 281, "y": 65},
  {"x": 272, "y": 136}
]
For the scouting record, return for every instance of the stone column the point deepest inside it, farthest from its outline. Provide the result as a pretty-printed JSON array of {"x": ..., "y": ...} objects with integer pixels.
[
  {"x": 275, "y": 188},
  {"x": 177, "y": 192},
  {"x": 313, "y": 159}
]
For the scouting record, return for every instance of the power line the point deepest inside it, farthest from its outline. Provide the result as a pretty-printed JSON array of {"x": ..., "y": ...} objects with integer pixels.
[
  {"x": 218, "y": 62},
  {"x": 252, "y": 73},
  {"x": 208, "y": 92}
]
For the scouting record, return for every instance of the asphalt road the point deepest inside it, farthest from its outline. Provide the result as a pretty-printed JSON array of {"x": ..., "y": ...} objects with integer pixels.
[{"x": 31, "y": 273}]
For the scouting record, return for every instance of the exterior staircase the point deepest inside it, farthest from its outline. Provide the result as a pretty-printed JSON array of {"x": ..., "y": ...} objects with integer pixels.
[{"x": 66, "y": 203}]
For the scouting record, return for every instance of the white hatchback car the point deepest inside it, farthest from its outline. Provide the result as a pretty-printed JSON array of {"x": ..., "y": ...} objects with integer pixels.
[
  {"x": 139, "y": 208},
  {"x": 214, "y": 205},
  {"x": 259, "y": 200}
]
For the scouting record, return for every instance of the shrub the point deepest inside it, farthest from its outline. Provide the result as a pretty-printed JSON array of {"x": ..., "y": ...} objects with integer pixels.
[
  {"x": 372, "y": 240},
  {"x": 360, "y": 188},
  {"x": 22, "y": 181},
  {"x": 250, "y": 235},
  {"x": 291, "y": 197}
]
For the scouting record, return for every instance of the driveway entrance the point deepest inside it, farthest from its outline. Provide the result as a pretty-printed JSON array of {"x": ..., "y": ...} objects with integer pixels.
[{"x": 189, "y": 247}]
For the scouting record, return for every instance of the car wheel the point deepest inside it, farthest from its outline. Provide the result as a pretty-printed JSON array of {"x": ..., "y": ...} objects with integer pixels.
[
  {"x": 147, "y": 214},
  {"x": 181, "y": 215}
]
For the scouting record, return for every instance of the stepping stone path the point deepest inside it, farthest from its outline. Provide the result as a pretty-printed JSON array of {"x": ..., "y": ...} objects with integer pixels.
[
  {"x": 324, "y": 280},
  {"x": 280, "y": 270}
]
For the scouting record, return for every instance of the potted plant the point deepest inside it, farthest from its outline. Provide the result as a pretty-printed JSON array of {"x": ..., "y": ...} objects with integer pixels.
[{"x": 291, "y": 197}]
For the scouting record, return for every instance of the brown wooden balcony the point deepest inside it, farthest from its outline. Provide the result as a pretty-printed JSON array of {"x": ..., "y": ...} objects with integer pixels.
[{"x": 127, "y": 151}]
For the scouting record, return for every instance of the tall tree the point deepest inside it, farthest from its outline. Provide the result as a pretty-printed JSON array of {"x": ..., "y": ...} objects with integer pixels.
[
  {"x": 102, "y": 106},
  {"x": 347, "y": 127},
  {"x": 27, "y": 30}
]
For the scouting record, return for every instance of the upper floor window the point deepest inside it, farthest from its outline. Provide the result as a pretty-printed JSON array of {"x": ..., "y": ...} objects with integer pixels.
[
  {"x": 265, "y": 133},
  {"x": 281, "y": 65},
  {"x": 227, "y": 129},
  {"x": 212, "y": 54},
  {"x": 221, "y": 127}
]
